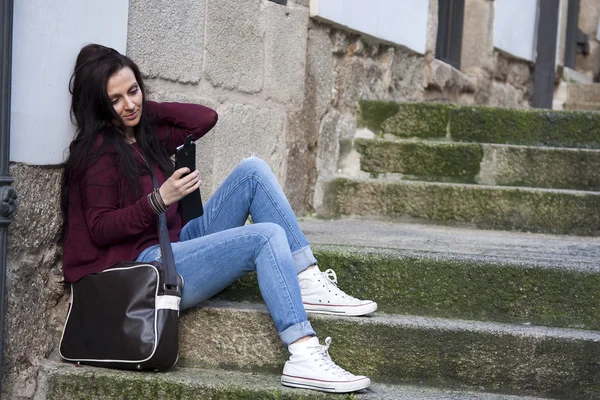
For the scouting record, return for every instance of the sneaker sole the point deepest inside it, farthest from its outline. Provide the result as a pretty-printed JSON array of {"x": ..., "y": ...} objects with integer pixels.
[
  {"x": 325, "y": 386},
  {"x": 336, "y": 309}
]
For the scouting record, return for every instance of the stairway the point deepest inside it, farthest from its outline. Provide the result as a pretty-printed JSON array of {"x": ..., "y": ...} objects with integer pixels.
[
  {"x": 483, "y": 167},
  {"x": 472, "y": 305}
]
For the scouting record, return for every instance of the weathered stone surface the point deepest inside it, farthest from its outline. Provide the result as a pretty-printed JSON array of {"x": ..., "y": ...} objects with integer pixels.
[
  {"x": 508, "y": 277},
  {"x": 541, "y": 167},
  {"x": 445, "y": 77},
  {"x": 303, "y": 126},
  {"x": 34, "y": 278},
  {"x": 329, "y": 144},
  {"x": 516, "y": 72},
  {"x": 166, "y": 38},
  {"x": 486, "y": 207},
  {"x": 66, "y": 382},
  {"x": 235, "y": 39},
  {"x": 478, "y": 40},
  {"x": 408, "y": 75},
  {"x": 448, "y": 162},
  {"x": 583, "y": 92},
  {"x": 319, "y": 74},
  {"x": 285, "y": 58},
  {"x": 484, "y": 124},
  {"x": 396, "y": 349},
  {"x": 525, "y": 127},
  {"x": 429, "y": 120},
  {"x": 244, "y": 131}
]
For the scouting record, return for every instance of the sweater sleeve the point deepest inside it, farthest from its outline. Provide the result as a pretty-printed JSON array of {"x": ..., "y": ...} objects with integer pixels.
[
  {"x": 176, "y": 121},
  {"x": 107, "y": 223}
]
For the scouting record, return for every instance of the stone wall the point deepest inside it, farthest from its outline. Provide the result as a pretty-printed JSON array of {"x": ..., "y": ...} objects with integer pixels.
[
  {"x": 36, "y": 301},
  {"x": 589, "y": 17}
]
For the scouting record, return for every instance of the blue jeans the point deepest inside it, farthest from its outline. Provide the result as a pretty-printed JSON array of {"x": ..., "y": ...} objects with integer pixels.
[{"x": 217, "y": 248}]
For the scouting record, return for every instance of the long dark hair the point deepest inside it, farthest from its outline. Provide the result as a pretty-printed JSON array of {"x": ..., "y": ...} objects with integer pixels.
[{"x": 93, "y": 115}]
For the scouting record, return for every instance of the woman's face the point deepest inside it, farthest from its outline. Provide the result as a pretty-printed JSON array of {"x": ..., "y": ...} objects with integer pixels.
[{"x": 126, "y": 97}]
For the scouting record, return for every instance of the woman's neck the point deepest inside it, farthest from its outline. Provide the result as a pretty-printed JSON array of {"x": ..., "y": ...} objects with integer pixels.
[{"x": 130, "y": 135}]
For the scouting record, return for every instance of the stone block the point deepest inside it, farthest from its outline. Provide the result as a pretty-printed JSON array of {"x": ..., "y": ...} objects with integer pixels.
[
  {"x": 285, "y": 55},
  {"x": 244, "y": 131},
  {"x": 478, "y": 43},
  {"x": 447, "y": 162},
  {"x": 166, "y": 38},
  {"x": 408, "y": 75},
  {"x": 484, "y": 207},
  {"x": 235, "y": 42},
  {"x": 319, "y": 69},
  {"x": 329, "y": 144},
  {"x": 33, "y": 278}
]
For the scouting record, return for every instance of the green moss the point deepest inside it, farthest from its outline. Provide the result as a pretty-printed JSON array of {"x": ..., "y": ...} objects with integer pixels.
[
  {"x": 483, "y": 124},
  {"x": 424, "y": 120},
  {"x": 181, "y": 384},
  {"x": 464, "y": 289},
  {"x": 525, "y": 127},
  {"x": 484, "y": 207},
  {"x": 537, "y": 365},
  {"x": 447, "y": 161},
  {"x": 372, "y": 114}
]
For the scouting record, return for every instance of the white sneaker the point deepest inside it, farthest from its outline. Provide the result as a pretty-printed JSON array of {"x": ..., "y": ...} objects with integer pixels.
[
  {"x": 311, "y": 367},
  {"x": 320, "y": 294}
]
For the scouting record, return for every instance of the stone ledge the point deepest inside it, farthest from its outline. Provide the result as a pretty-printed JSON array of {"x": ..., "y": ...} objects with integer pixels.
[
  {"x": 482, "y": 124},
  {"x": 405, "y": 349},
  {"x": 456, "y": 286},
  {"x": 66, "y": 382},
  {"x": 486, "y": 207}
]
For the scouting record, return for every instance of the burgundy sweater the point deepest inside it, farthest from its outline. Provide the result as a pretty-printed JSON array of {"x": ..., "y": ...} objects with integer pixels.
[{"x": 105, "y": 225}]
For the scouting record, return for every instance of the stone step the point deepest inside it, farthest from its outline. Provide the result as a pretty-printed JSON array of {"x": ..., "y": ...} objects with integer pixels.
[
  {"x": 578, "y": 92},
  {"x": 482, "y": 124},
  {"x": 583, "y": 106},
  {"x": 398, "y": 349},
  {"x": 509, "y": 277},
  {"x": 60, "y": 381},
  {"x": 488, "y": 164},
  {"x": 485, "y": 207}
]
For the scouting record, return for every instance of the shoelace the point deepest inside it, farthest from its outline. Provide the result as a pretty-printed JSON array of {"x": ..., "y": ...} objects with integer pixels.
[
  {"x": 322, "y": 351},
  {"x": 332, "y": 280}
]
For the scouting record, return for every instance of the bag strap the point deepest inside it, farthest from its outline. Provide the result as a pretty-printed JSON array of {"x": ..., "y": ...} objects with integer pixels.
[{"x": 171, "y": 285}]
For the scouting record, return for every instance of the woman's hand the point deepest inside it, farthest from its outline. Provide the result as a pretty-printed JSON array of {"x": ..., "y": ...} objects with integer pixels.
[{"x": 177, "y": 187}]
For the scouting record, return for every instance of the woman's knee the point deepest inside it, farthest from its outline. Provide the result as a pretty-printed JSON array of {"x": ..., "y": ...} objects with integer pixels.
[
  {"x": 271, "y": 231},
  {"x": 255, "y": 166}
]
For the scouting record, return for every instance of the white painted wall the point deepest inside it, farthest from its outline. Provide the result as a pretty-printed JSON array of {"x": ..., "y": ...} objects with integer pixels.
[
  {"x": 47, "y": 36},
  {"x": 515, "y": 27},
  {"x": 399, "y": 21}
]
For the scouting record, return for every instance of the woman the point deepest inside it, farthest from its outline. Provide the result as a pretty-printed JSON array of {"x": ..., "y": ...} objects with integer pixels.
[{"x": 110, "y": 213}]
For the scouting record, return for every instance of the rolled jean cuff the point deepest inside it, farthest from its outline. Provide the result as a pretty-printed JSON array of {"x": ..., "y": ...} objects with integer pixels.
[
  {"x": 303, "y": 259},
  {"x": 295, "y": 332}
]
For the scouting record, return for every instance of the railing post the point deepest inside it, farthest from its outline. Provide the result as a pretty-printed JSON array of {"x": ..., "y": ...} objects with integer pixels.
[
  {"x": 8, "y": 194},
  {"x": 545, "y": 61}
]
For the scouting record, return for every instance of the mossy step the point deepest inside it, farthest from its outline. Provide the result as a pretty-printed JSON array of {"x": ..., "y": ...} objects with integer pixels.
[
  {"x": 491, "y": 164},
  {"x": 398, "y": 349},
  {"x": 66, "y": 382},
  {"x": 457, "y": 273},
  {"x": 482, "y": 124},
  {"x": 485, "y": 207}
]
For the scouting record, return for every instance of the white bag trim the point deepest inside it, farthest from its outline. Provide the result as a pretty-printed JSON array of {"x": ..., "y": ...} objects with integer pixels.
[{"x": 167, "y": 302}]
